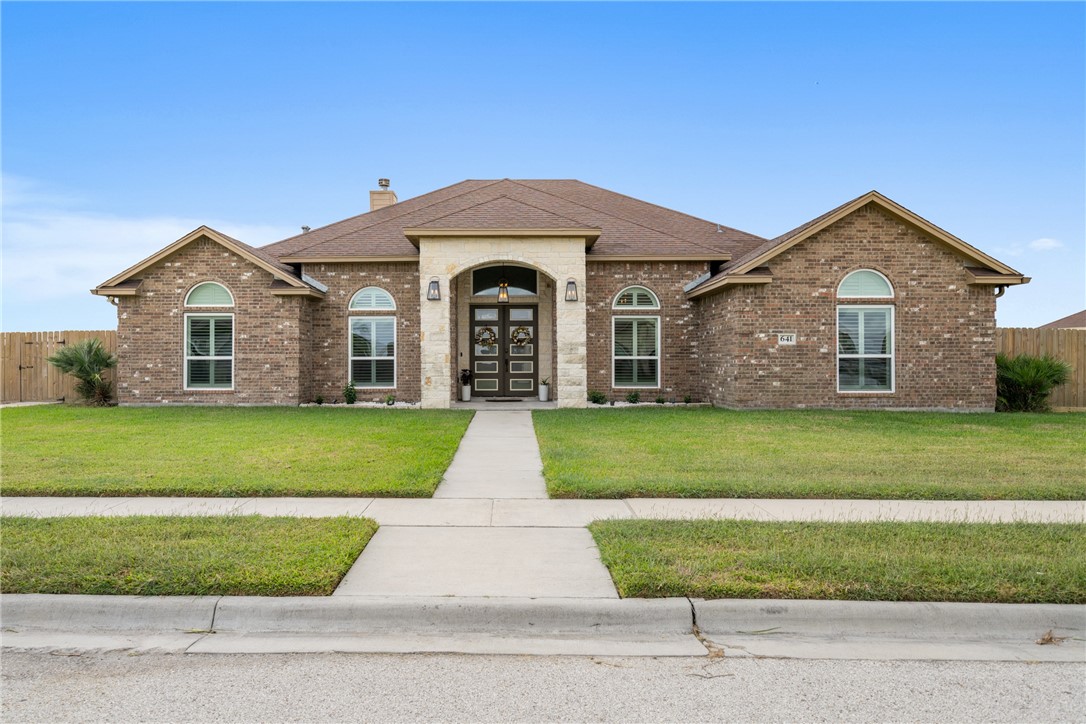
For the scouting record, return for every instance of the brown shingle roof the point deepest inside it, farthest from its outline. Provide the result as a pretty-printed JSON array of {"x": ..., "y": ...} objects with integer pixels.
[
  {"x": 629, "y": 227},
  {"x": 1071, "y": 321}
]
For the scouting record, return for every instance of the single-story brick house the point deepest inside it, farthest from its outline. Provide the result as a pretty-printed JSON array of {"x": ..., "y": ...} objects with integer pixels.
[{"x": 866, "y": 306}]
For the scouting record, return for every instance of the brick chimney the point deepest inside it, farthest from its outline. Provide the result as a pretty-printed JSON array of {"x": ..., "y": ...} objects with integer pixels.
[{"x": 384, "y": 197}]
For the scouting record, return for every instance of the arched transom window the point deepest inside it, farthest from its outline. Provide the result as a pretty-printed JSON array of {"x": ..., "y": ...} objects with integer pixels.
[
  {"x": 865, "y": 334},
  {"x": 372, "y": 298},
  {"x": 636, "y": 298},
  {"x": 865, "y": 283},
  {"x": 209, "y": 294}
]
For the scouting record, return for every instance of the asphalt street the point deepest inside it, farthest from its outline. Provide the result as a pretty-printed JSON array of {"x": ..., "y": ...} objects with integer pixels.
[{"x": 443, "y": 687}]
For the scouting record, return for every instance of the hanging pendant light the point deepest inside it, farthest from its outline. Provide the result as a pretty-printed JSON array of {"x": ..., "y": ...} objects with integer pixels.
[{"x": 503, "y": 288}]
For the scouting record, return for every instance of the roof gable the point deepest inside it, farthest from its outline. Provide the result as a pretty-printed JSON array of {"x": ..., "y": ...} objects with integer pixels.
[
  {"x": 503, "y": 212},
  {"x": 761, "y": 254},
  {"x": 259, "y": 257}
]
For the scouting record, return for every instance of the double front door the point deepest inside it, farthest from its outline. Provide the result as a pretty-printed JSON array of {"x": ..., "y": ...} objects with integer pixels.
[{"x": 504, "y": 349}]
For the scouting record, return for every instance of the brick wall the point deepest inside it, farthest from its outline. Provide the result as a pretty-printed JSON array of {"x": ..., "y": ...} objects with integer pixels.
[
  {"x": 329, "y": 337},
  {"x": 679, "y": 367},
  {"x": 944, "y": 329},
  {"x": 268, "y": 332}
]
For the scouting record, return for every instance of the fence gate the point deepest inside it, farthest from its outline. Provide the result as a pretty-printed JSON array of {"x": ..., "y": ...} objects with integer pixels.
[{"x": 27, "y": 377}]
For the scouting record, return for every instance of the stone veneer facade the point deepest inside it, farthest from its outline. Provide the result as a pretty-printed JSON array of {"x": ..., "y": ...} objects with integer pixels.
[
  {"x": 944, "y": 329},
  {"x": 444, "y": 259},
  {"x": 721, "y": 347}
]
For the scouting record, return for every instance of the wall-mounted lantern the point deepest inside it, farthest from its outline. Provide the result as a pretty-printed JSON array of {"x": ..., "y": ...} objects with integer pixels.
[
  {"x": 503, "y": 288},
  {"x": 571, "y": 291},
  {"x": 433, "y": 292}
]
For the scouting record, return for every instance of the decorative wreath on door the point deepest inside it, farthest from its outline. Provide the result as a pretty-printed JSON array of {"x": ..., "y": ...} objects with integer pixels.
[
  {"x": 521, "y": 336},
  {"x": 486, "y": 337}
]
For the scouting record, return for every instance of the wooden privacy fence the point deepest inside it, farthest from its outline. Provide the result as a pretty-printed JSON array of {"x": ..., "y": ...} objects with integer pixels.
[
  {"x": 27, "y": 377},
  {"x": 1068, "y": 345}
]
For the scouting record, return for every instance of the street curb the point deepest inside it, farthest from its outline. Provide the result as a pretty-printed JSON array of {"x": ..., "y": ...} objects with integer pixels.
[
  {"x": 344, "y": 615},
  {"x": 899, "y": 619},
  {"x": 113, "y": 614}
]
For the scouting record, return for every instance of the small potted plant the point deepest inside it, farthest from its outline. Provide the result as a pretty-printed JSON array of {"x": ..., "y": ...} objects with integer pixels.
[
  {"x": 465, "y": 385},
  {"x": 545, "y": 389}
]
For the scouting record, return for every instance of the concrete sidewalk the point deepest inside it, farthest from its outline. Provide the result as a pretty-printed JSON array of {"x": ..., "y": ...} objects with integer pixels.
[{"x": 527, "y": 512}]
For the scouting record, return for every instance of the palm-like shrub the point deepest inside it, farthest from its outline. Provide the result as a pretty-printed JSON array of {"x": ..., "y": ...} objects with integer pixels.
[
  {"x": 1024, "y": 382},
  {"x": 87, "y": 361}
]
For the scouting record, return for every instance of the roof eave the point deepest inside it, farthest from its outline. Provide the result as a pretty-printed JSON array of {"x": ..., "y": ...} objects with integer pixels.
[
  {"x": 729, "y": 280},
  {"x": 328, "y": 259},
  {"x": 996, "y": 279}
]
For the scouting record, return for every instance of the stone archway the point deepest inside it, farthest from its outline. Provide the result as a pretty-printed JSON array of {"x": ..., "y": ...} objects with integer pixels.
[{"x": 444, "y": 259}]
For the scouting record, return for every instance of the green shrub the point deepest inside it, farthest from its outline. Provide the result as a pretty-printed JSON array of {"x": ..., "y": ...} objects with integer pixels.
[
  {"x": 660, "y": 400},
  {"x": 596, "y": 397},
  {"x": 87, "y": 361},
  {"x": 1024, "y": 383},
  {"x": 633, "y": 398},
  {"x": 350, "y": 394}
]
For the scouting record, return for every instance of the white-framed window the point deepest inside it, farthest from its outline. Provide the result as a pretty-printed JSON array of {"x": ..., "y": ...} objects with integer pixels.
[
  {"x": 635, "y": 297},
  {"x": 209, "y": 351},
  {"x": 209, "y": 294},
  {"x": 865, "y": 334},
  {"x": 372, "y": 351},
  {"x": 865, "y": 348},
  {"x": 635, "y": 360},
  {"x": 372, "y": 298},
  {"x": 866, "y": 283}
]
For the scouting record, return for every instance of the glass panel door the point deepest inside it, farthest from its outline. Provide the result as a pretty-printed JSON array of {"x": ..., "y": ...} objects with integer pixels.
[{"x": 504, "y": 350}]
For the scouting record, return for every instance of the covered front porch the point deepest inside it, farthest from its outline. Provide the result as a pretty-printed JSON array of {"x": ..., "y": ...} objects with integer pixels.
[{"x": 510, "y": 310}]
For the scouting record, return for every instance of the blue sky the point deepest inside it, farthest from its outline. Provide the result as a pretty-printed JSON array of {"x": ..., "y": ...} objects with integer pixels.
[{"x": 126, "y": 125}]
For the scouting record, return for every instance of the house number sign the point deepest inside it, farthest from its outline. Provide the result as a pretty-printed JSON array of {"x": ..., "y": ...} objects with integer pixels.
[{"x": 786, "y": 338}]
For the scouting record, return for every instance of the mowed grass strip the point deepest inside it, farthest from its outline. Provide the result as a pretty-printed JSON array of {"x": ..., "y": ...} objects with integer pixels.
[
  {"x": 199, "y": 451},
  {"x": 180, "y": 556},
  {"x": 710, "y": 453},
  {"x": 880, "y": 561}
]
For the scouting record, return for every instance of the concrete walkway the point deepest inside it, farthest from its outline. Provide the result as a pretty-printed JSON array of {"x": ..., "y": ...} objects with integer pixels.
[{"x": 498, "y": 460}]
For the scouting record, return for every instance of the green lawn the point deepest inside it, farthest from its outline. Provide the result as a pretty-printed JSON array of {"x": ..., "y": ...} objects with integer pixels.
[
  {"x": 239, "y": 451},
  {"x": 703, "y": 452},
  {"x": 180, "y": 556},
  {"x": 981, "y": 562}
]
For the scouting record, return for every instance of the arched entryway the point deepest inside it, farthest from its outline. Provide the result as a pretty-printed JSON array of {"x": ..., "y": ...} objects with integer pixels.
[{"x": 505, "y": 331}]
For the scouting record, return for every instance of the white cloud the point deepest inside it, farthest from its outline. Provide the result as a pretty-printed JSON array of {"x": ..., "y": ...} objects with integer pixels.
[
  {"x": 1045, "y": 244},
  {"x": 53, "y": 253}
]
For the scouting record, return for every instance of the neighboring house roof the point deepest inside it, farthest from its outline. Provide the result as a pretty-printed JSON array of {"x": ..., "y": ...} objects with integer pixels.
[
  {"x": 1071, "y": 321},
  {"x": 751, "y": 264},
  {"x": 127, "y": 282},
  {"x": 625, "y": 227}
]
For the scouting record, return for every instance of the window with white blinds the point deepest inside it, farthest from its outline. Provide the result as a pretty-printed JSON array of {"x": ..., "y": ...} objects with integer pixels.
[
  {"x": 636, "y": 351},
  {"x": 865, "y": 348},
  {"x": 209, "y": 351},
  {"x": 636, "y": 298},
  {"x": 372, "y": 298},
  {"x": 373, "y": 352}
]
